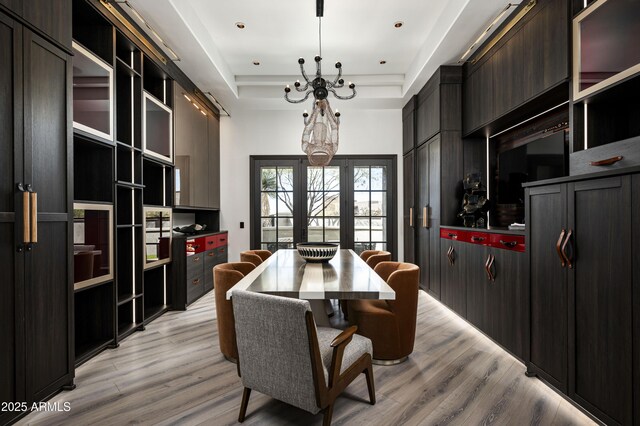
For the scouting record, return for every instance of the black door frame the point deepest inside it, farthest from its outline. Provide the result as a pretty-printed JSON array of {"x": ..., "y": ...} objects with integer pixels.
[{"x": 345, "y": 161}]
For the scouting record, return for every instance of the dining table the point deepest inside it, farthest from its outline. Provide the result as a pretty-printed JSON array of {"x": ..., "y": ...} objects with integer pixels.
[{"x": 346, "y": 276}]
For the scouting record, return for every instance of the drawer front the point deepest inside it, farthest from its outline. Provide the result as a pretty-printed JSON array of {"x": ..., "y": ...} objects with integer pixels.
[
  {"x": 221, "y": 253},
  {"x": 208, "y": 279},
  {"x": 210, "y": 259},
  {"x": 195, "y": 264},
  {"x": 452, "y": 234},
  {"x": 223, "y": 240},
  {"x": 196, "y": 245},
  {"x": 475, "y": 237},
  {"x": 195, "y": 288},
  {"x": 211, "y": 242},
  {"x": 508, "y": 242}
]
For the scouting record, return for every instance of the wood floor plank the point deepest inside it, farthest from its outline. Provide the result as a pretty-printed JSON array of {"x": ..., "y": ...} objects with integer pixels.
[{"x": 173, "y": 373}]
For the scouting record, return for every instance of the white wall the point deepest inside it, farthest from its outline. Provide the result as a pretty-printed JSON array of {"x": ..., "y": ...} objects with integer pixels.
[{"x": 268, "y": 132}]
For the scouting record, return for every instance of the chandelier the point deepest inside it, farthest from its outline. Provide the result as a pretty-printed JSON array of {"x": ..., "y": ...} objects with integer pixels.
[{"x": 320, "y": 134}]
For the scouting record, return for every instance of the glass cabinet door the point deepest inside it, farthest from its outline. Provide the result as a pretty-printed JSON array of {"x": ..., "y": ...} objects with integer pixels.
[
  {"x": 157, "y": 129},
  {"x": 92, "y": 244},
  {"x": 157, "y": 228}
]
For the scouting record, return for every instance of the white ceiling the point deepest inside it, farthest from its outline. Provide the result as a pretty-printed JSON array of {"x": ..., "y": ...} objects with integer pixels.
[{"x": 218, "y": 57}]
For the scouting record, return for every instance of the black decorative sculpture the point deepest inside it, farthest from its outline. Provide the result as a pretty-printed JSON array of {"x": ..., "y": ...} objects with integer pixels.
[
  {"x": 192, "y": 229},
  {"x": 475, "y": 204}
]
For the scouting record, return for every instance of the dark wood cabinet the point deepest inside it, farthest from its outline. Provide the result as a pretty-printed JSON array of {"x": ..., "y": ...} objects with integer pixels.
[
  {"x": 408, "y": 126},
  {"x": 581, "y": 279},
  {"x": 51, "y": 17},
  {"x": 408, "y": 216},
  {"x": 192, "y": 267},
  {"x": 197, "y": 153},
  {"x": 528, "y": 61},
  {"x": 453, "y": 269},
  {"x": 36, "y": 307}
]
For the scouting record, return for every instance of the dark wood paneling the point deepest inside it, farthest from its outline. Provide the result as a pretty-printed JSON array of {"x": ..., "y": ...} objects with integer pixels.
[
  {"x": 53, "y": 17},
  {"x": 433, "y": 216},
  {"x": 478, "y": 288},
  {"x": 635, "y": 199},
  {"x": 428, "y": 113},
  {"x": 546, "y": 217},
  {"x": 13, "y": 5},
  {"x": 46, "y": 124},
  {"x": 9, "y": 348},
  {"x": 47, "y": 313},
  {"x": 213, "y": 165},
  {"x": 509, "y": 301},
  {"x": 408, "y": 171},
  {"x": 601, "y": 296},
  {"x": 509, "y": 74},
  {"x": 408, "y": 126},
  {"x": 422, "y": 186},
  {"x": 451, "y": 175},
  {"x": 8, "y": 117},
  {"x": 453, "y": 286}
]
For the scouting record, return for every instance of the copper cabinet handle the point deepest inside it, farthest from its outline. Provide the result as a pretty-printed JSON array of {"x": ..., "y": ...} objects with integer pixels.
[
  {"x": 564, "y": 249},
  {"x": 196, "y": 259},
  {"x": 424, "y": 217},
  {"x": 34, "y": 217},
  {"x": 449, "y": 255},
  {"x": 26, "y": 223},
  {"x": 211, "y": 254},
  {"x": 479, "y": 239},
  {"x": 563, "y": 261},
  {"x": 509, "y": 244},
  {"x": 486, "y": 267},
  {"x": 492, "y": 276},
  {"x": 196, "y": 281},
  {"x": 607, "y": 162},
  {"x": 411, "y": 217},
  {"x": 452, "y": 235}
]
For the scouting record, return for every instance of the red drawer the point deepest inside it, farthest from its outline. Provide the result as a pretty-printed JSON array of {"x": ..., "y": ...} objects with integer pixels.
[
  {"x": 196, "y": 245},
  {"x": 508, "y": 242},
  {"x": 477, "y": 237},
  {"x": 222, "y": 240},
  {"x": 452, "y": 234},
  {"x": 211, "y": 242}
]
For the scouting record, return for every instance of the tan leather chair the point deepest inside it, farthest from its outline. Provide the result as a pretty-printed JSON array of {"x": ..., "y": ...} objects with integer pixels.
[
  {"x": 372, "y": 258},
  {"x": 390, "y": 324},
  {"x": 255, "y": 256},
  {"x": 226, "y": 275}
]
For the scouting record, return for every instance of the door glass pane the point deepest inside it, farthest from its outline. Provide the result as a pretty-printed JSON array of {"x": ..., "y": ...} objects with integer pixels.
[
  {"x": 378, "y": 229},
  {"x": 378, "y": 204},
  {"x": 361, "y": 178},
  {"x": 361, "y": 204},
  {"x": 378, "y": 178},
  {"x": 332, "y": 204},
  {"x": 268, "y": 229},
  {"x": 332, "y": 229},
  {"x": 268, "y": 204},
  {"x": 268, "y": 179},
  {"x": 361, "y": 229},
  {"x": 315, "y": 204},
  {"x": 315, "y": 229},
  {"x": 285, "y": 204},
  {"x": 332, "y": 178},
  {"x": 315, "y": 179},
  {"x": 285, "y": 179}
]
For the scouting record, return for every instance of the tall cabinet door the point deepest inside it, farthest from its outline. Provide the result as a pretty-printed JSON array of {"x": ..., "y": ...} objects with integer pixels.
[
  {"x": 408, "y": 211},
  {"x": 11, "y": 264},
  {"x": 422, "y": 205},
  {"x": 547, "y": 225},
  {"x": 48, "y": 265},
  {"x": 601, "y": 295},
  {"x": 433, "y": 216},
  {"x": 214, "y": 161}
]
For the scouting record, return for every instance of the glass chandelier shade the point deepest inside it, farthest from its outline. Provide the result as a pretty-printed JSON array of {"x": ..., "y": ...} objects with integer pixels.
[{"x": 320, "y": 135}]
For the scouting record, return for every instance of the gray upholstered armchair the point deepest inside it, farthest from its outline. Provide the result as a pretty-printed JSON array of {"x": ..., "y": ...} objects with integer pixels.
[{"x": 292, "y": 360}]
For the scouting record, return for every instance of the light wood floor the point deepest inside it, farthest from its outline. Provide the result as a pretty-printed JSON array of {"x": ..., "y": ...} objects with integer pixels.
[{"x": 173, "y": 373}]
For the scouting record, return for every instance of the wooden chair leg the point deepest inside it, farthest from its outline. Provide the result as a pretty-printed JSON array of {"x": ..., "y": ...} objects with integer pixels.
[
  {"x": 328, "y": 413},
  {"x": 244, "y": 404},
  {"x": 370, "y": 385}
]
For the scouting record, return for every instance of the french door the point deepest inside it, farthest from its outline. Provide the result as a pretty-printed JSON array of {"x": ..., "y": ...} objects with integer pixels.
[{"x": 351, "y": 202}]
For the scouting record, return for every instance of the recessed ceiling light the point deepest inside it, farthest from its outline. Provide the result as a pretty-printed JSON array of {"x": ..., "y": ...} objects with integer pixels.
[
  {"x": 398, "y": 24},
  {"x": 240, "y": 25},
  {"x": 256, "y": 62},
  {"x": 382, "y": 62}
]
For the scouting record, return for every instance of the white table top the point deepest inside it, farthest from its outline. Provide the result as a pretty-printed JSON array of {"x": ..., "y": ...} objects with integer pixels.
[{"x": 346, "y": 276}]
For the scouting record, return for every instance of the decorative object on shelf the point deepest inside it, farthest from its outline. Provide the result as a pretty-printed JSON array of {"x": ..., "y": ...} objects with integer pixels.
[
  {"x": 475, "y": 204},
  {"x": 320, "y": 135},
  {"x": 317, "y": 252},
  {"x": 192, "y": 229}
]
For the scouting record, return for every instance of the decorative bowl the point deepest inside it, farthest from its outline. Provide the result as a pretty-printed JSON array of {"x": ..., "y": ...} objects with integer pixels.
[{"x": 317, "y": 252}]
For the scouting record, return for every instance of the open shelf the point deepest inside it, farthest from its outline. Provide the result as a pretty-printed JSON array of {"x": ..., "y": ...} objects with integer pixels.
[
  {"x": 93, "y": 171},
  {"x": 128, "y": 53},
  {"x": 94, "y": 324},
  {"x": 157, "y": 83},
  {"x": 128, "y": 105},
  {"x": 127, "y": 322},
  {"x": 92, "y": 30},
  {"x": 153, "y": 175},
  {"x": 155, "y": 284}
]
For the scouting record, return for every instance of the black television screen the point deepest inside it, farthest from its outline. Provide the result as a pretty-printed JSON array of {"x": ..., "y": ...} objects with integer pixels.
[{"x": 543, "y": 158}]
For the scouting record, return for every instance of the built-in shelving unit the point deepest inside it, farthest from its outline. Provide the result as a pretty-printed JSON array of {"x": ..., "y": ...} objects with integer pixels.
[{"x": 123, "y": 158}]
